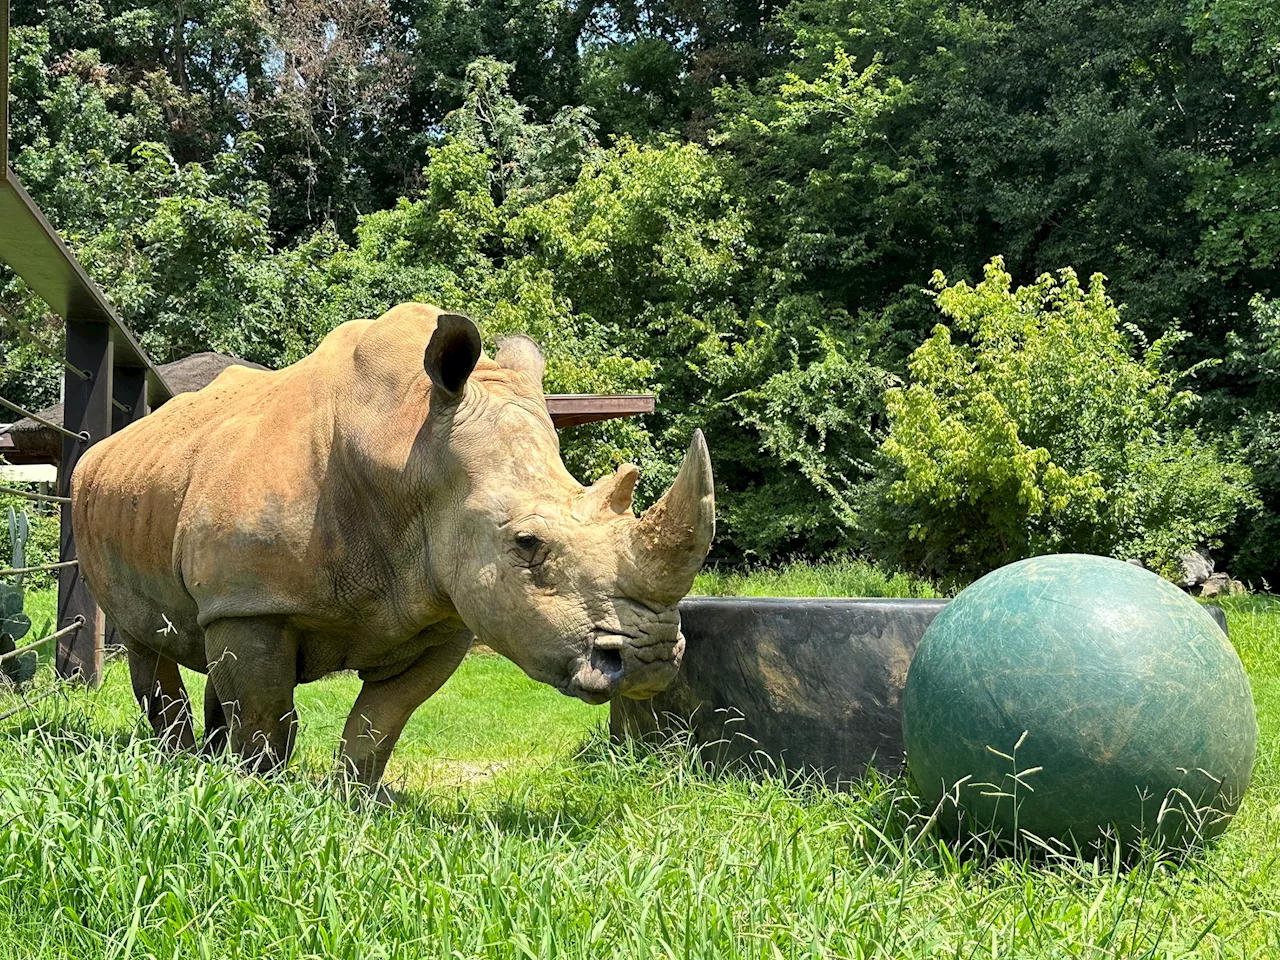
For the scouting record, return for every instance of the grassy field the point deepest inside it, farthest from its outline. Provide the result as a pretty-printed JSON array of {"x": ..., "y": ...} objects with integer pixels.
[
  {"x": 525, "y": 833},
  {"x": 838, "y": 578}
]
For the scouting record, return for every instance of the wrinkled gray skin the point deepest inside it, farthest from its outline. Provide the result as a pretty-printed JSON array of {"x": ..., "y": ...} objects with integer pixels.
[{"x": 371, "y": 508}]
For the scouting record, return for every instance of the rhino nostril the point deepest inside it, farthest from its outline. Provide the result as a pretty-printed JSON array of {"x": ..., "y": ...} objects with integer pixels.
[{"x": 608, "y": 662}]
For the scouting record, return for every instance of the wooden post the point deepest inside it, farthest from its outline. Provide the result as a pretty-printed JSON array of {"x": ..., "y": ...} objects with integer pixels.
[
  {"x": 86, "y": 407},
  {"x": 129, "y": 390},
  {"x": 4, "y": 87}
]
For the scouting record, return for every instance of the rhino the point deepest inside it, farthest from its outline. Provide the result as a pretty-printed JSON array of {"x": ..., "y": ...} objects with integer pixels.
[{"x": 375, "y": 507}]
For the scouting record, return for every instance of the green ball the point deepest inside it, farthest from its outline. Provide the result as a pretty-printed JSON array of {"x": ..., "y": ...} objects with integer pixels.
[{"x": 1079, "y": 699}]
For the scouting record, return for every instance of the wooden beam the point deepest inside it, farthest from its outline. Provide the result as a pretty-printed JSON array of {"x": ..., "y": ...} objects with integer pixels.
[
  {"x": 574, "y": 409},
  {"x": 35, "y": 252},
  {"x": 86, "y": 407}
]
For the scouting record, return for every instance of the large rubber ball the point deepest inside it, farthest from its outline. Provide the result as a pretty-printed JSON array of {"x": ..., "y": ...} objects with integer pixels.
[{"x": 1079, "y": 699}]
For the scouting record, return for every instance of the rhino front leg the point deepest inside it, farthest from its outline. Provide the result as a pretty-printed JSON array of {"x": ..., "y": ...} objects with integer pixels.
[
  {"x": 253, "y": 668},
  {"x": 215, "y": 721},
  {"x": 384, "y": 707},
  {"x": 158, "y": 687}
]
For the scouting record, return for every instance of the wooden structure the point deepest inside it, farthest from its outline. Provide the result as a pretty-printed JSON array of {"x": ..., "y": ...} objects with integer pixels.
[
  {"x": 109, "y": 382},
  {"x": 103, "y": 362},
  {"x": 29, "y": 441},
  {"x": 574, "y": 409}
]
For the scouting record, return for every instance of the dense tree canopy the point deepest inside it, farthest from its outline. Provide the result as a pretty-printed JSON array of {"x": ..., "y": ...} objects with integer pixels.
[{"x": 740, "y": 206}]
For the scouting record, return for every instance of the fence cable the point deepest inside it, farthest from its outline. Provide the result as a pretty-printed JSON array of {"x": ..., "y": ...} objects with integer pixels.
[
  {"x": 40, "y": 345},
  {"x": 38, "y": 568},
  {"x": 70, "y": 628},
  {"x": 82, "y": 436},
  {"x": 44, "y": 497}
]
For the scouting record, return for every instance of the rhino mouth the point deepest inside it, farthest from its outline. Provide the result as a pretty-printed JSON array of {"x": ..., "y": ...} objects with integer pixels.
[{"x": 621, "y": 664}]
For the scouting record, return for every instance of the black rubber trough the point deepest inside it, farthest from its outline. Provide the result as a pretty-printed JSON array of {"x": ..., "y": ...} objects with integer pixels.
[{"x": 805, "y": 684}]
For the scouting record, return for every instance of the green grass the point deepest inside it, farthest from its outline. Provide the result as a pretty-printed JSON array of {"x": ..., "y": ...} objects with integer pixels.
[
  {"x": 836, "y": 578},
  {"x": 525, "y": 833}
]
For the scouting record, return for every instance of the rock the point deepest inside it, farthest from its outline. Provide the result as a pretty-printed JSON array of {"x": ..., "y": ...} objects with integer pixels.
[
  {"x": 1217, "y": 585},
  {"x": 1220, "y": 585},
  {"x": 1196, "y": 568},
  {"x": 1136, "y": 562}
]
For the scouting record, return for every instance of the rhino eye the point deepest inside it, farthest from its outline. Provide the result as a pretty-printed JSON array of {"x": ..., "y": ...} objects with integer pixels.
[
  {"x": 527, "y": 541},
  {"x": 528, "y": 550}
]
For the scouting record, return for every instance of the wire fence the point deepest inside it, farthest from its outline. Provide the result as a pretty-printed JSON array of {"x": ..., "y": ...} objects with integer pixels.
[{"x": 9, "y": 317}]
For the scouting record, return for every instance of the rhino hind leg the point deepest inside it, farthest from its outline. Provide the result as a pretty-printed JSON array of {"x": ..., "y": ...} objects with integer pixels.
[
  {"x": 253, "y": 670},
  {"x": 158, "y": 687},
  {"x": 384, "y": 707}
]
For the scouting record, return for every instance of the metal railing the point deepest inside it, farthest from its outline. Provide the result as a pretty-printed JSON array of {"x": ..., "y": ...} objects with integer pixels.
[{"x": 82, "y": 436}]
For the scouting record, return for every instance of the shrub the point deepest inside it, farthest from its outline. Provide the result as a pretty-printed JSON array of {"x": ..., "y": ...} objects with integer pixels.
[{"x": 1036, "y": 422}]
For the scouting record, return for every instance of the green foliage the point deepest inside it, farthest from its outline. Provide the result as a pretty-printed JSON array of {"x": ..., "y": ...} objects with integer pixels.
[
  {"x": 812, "y": 149},
  {"x": 19, "y": 531},
  {"x": 839, "y": 577},
  {"x": 1234, "y": 185},
  {"x": 14, "y": 624},
  {"x": 1039, "y": 432},
  {"x": 652, "y": 241},
  {"x": 1252, "y": 409},
  {"x": 40, "y": 545},
  {"x": 737, "y": 206}
]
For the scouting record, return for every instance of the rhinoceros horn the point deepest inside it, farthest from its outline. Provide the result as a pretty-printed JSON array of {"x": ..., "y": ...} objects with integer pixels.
[
  {"x": 612, "y": 494},
  {"x": 673, "y": 536}
]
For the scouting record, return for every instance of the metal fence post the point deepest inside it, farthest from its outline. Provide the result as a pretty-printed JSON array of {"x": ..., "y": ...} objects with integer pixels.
[{"x": 86, "y": 407}]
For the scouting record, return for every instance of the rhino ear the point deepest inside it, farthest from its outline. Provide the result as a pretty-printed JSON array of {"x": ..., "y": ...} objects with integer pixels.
[
  {"x": 521, "y": 354},
  {"x": 452, "y": 353}
]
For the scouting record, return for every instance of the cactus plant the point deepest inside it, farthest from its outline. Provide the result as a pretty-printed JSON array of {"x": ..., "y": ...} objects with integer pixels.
[
  {"x": 14, "y": 624},
  {"x": 19, "y": 531}
]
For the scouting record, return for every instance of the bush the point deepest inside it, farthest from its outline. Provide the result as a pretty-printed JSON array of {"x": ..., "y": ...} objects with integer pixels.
[{"x": 1030, "y": 425}]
